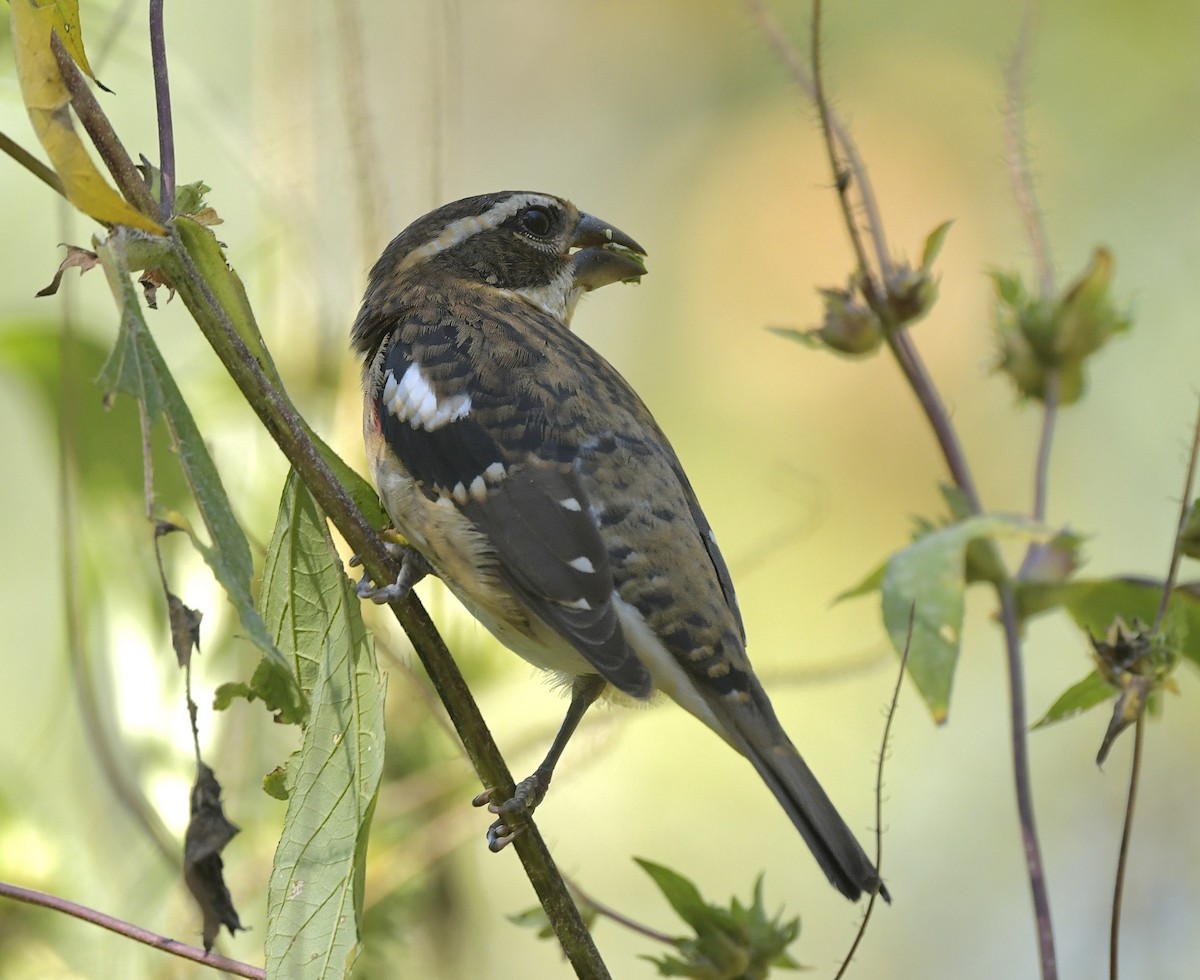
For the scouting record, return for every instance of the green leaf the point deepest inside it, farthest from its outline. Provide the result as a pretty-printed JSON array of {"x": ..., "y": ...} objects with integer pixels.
[
  {"x": 1077, "y": 698},
  {"x": 314, "y": 901},
  {"x": 136, "y": 367},
  {"x": 1095, "y": 604},
  {"x": 738, "y": 943},
  {"x": 933, "y": 245},
  {"x": 928, "y": 580}
]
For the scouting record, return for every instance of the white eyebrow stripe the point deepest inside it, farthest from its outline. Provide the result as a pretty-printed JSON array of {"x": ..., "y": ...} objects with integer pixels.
[
  {"x": 464, "y": 228},
  {"x": 412, "y": 399}
]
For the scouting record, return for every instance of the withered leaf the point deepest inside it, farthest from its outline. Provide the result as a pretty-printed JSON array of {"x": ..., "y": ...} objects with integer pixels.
[
  {"x": 77, "y": 258},
  {"x": 207, "y": 834},
  {"x": 185, "y": 628}
]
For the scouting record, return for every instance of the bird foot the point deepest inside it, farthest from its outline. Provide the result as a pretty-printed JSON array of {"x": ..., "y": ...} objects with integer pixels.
[
  {"x": 512, "y": 813},
  {"x": 413, "y": 568}
]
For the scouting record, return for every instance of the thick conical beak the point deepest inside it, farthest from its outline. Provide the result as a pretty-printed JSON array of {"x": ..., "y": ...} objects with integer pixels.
[{"x": 605, "y": 255}]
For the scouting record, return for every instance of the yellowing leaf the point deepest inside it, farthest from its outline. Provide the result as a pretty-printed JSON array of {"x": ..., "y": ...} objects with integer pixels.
[
  {"x": 65, "y": 20},
  {"x": 47, "y": 101}
]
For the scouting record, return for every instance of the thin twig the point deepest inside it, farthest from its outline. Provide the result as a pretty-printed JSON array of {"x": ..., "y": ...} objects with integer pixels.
[
  {"x": 1185, "y": 506},
  {"x": 31, "y": 163},
  {"x": 162, "y": 102},
  {"x": 883, "y": 753},
  {"x": 1135, "y": 773},
  {"x": 623, "y": 920},
  {"x": 127, "y": 929}
]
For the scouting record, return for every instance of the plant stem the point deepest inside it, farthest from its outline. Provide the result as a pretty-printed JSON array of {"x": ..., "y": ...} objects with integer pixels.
[
  {"x": 913, "y": 368},
  {"x": 102, "y": 134},
  {"x": 1019, "y": 727},
  {"x": 31, "y": 163},
  {"x": 1135, "y": 774},
  {"x": 162, "y": 102}
]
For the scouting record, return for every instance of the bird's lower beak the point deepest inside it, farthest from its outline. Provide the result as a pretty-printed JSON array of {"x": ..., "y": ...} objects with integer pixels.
[{"x": 605, "y": 255}]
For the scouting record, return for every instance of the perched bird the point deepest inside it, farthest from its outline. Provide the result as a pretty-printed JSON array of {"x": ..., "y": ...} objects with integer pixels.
[{"x": 525, "y": 473}]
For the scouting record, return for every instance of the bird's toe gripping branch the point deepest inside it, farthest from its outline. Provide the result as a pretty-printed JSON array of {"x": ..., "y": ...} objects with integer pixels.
[
  {"x": 413, "y": 568},
  {"x": 512, "y": 813}
]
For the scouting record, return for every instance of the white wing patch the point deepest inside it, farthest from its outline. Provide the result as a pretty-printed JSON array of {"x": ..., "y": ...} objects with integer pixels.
[{"x": 413, "y": 400}]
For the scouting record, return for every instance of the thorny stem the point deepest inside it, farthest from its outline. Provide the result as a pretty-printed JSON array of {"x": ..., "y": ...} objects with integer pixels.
[
  {"x": 31, "y": 897},
  {"x": 1020, "y": 175},
  {"x": 162, "y": 102},
  {"x": 883, "y": 754},
  {"x": 790, "y": 58},
  {"x": 1135, "y": 774},
  {"x": 1019, "y": 172},
  {"x": 918, "y": 378},
  {"x": 1184, "y": 510}
]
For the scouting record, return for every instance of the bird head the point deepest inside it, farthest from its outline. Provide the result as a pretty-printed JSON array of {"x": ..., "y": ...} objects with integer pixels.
[{"x": 536, "y": 247}]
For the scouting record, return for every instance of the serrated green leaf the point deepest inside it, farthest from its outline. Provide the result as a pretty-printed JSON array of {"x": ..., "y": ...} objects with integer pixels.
[
  {"x": 683, "y": 896},
  {"x": 137, "y": 368},
  {"x": 1078, "y": 698},
  {"x": 314, "y": 902},
  {"x": 738, "y": 943},
  {"x": 928, "y": 580}
]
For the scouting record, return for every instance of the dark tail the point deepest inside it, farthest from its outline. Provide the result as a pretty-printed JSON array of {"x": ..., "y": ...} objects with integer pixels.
[{"x": 756, "y": 731}]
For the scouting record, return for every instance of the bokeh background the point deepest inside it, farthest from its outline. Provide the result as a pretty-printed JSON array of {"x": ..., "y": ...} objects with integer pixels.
[{"x": 323, "y": 130}]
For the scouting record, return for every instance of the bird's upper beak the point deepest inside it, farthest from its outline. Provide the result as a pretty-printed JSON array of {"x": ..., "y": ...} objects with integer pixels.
[{"x": 605, "y": 255}]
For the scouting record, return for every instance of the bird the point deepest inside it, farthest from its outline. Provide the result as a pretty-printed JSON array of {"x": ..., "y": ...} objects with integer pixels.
[{"x": 521, "y": 469}]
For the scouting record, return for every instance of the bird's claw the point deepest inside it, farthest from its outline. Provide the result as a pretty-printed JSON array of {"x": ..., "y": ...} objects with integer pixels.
[
  {"x": 512, "y": 813},
  {"x": 413, "y": 568}
]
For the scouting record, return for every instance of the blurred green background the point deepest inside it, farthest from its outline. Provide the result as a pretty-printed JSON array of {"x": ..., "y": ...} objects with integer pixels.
[{"x": 323, "y": 130}]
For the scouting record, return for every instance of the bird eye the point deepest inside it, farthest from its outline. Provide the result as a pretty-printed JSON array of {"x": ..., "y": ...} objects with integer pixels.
[{"x": 536, "y": 221}]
